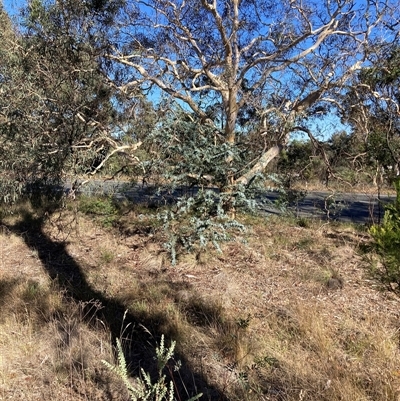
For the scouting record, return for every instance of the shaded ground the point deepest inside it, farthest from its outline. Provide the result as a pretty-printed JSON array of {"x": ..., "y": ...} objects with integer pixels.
[
  {"x": 60, "y": 265},
  {"x": 289, "y": 315}
]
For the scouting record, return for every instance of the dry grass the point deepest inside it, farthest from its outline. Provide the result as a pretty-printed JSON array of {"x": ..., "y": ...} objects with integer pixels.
[
  {"x": 47, "y": 349},
  {"x": 290, "y": 315},
  {"x": 339, "y": 186}
]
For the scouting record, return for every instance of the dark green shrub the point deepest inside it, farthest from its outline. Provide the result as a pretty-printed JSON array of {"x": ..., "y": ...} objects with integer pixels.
[
  {"x": 103, "y": 207},
  {"x": 387, "y": 243}
]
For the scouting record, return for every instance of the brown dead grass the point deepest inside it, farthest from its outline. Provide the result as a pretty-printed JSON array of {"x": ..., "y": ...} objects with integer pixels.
[
  {"x": 47, "y": 351},
  {"x": 339, "y": 186},
  {"x": 258, "y": 322}
]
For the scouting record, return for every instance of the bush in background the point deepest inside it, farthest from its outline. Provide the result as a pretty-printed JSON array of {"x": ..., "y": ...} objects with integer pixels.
[{"x": 387, "y": 243}]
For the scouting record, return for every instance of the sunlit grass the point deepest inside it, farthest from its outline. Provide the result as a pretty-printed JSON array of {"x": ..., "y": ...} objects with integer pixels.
[{"x": 259, "y": 321}]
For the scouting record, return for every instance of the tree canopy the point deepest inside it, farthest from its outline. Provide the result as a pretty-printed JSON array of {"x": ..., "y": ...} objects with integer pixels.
[
  {"x": 375, "y": 113},
  {"x": 58, "y": 111},
  {"x": 82, "y": 81},
  {"x": 262, "y": 65}
]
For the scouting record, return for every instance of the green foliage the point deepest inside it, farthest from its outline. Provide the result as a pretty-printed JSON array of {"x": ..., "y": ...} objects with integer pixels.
[
  {"x": 377, "y": 99},
  {"x": 386, "y": 71},
  {"x": 143, "y": 389},
  {"x": 197, "y": 221},
  {"x": 379, "y": 151},
  {"x": 194, "y": 154},
  {"x": 103, "y": 207},
  {"x": 303, "y": 222},
  {"x": 196, "y": 157},
  {"x": 55, "y": 105},
  {"x": 303, "y": 161},
  {"x": 387, "y": 243},
  {"x": 297, "y": 160},
  {"x": 347, "y": 157}
]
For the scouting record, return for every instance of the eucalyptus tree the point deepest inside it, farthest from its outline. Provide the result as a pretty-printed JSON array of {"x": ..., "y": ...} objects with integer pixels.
[
  {"x": 59, "y": 114},
  {"x": 375, "y": 112},
  {"x": 17, "y": 113},
  {"x": 255, "y": 71}
]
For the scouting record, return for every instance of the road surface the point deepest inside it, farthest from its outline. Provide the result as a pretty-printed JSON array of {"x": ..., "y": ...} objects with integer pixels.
[{"x": 347, "y": 207}]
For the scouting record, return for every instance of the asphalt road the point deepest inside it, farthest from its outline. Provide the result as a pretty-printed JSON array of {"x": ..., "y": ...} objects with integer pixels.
[{"x": 347, "y": 207}]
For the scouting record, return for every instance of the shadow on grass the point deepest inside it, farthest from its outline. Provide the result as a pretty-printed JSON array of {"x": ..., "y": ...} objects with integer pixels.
[
  {"x": 67, "y": 272},
  {"x": 6, "y": 287}
]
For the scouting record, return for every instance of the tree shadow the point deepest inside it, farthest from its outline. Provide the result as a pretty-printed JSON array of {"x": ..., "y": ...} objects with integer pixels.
[{"x": 139, "y": 350}]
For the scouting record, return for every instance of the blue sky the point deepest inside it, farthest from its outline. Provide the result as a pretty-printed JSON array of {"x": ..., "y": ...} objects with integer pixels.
[
  {"x": 12, "y": 6},
  {"x": 323, "y": 129}
]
